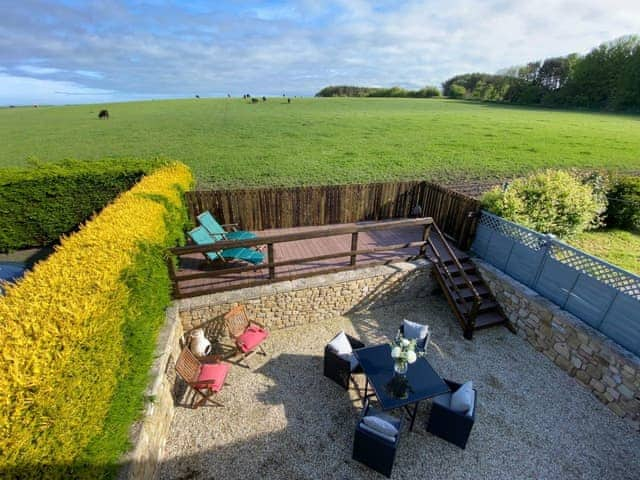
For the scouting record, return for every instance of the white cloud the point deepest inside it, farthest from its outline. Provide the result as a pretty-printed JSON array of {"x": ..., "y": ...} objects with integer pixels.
[
  {"x": 36, "y": 70},
  {"x": 297, "y": 46}
]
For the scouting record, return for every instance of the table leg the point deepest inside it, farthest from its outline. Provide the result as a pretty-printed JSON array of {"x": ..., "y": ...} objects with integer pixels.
[
  {"x": 413, "y": 416},
  {"x": 366, "y": 386}
]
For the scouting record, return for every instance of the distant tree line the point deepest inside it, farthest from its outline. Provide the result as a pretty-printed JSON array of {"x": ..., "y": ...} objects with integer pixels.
[
  {"x": 607, "y": 78},
  {"x": 352, "y": 91}
]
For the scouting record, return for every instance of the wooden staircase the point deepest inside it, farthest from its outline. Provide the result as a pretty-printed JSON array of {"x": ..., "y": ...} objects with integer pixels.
[{"x": 468, "y": 295}]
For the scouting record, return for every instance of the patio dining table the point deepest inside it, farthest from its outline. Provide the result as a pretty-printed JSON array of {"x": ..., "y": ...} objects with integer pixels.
[{"x": 393, "y": 390}]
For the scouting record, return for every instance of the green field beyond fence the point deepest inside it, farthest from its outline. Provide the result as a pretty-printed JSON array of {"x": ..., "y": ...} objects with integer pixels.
[{"x": 230, "y": 143}]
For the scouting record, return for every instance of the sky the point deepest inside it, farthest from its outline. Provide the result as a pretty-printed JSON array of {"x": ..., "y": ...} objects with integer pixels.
[{"x": 76, "y": 51}]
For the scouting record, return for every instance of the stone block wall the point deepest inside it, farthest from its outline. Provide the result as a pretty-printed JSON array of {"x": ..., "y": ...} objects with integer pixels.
[
  {"x": 279, "y": 305},
  {"x": 150, "y": 432},
  {"x": 308, "y": 300},
  {"x": 611, "y": 372}
]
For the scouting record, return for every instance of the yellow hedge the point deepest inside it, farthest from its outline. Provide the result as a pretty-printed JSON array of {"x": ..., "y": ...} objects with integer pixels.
[{"x": 60, "y": 327}]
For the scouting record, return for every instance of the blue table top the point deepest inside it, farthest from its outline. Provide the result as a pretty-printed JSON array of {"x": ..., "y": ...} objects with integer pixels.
[{"x": 421, "y": 381}]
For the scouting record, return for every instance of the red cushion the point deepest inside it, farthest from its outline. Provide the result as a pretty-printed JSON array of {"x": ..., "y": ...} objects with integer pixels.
[
  {"x": 251, "y": 338},
  {"x": 212, "y": 375}
]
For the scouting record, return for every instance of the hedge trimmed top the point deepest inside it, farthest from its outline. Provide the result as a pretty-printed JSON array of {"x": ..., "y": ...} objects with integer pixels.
[{"x": 41, "y": 203}]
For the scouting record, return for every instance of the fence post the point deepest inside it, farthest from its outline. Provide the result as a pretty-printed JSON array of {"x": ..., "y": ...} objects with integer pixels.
[
  {"x": 354, "y": 247},
  {"x": 606, "y": 312},
  {"x": 546, "y": 246},
  {"x": 271, "y": 260},
  {"x": 425, "y": 237}
]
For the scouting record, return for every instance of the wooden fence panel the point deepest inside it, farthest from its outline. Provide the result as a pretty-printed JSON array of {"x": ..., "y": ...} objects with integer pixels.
[{"x": 266, "y": 208}]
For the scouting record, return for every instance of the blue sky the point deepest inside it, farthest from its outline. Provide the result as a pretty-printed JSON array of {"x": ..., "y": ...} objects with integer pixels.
[{"x": 72, "y": 51}]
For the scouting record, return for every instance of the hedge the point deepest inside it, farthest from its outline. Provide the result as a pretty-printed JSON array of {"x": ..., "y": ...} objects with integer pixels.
[
  {"x": 43, "y": 202},
  {"x": 78, "y": 335},
  {"x": 550, "y": 201},
  {"x": 624, "y": 203}
]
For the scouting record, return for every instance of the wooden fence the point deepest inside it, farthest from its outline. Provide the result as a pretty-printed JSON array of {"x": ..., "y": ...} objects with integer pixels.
[{"x": 266, "y": 208}]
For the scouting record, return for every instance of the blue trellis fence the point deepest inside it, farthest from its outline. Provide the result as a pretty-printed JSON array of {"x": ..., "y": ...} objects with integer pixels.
[{"x": 600, "y": 294}]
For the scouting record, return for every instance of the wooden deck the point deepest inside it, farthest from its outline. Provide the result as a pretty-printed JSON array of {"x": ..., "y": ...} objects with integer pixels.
[{"x": 195, "y": 263}]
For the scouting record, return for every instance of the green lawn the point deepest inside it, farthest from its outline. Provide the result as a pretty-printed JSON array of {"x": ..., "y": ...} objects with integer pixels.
[
  {"x": 619, "y": 247},
  {"x": 229, "y": 142}
]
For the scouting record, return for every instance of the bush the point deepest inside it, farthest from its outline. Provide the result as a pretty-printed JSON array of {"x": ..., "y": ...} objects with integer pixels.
[
  {"x": 457, "y": 91},
  {"x": 78, "y": 335},
  {"x": 624, "y": 204},
  {"x": 552, "y": 201},
  {"x": 428, "y": 92},
  {"x": 39, "y": 204}
]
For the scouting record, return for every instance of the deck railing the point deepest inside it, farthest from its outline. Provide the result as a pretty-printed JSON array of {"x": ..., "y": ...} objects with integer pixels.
[
  {"x": 278, "y": 207},
  {"x": 271, "y": 262}
]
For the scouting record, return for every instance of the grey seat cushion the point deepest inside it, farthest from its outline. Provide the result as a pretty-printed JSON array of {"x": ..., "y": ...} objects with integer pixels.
[{"x": 444, "y": 400}]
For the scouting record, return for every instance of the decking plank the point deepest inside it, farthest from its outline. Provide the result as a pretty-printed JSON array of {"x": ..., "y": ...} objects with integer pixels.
[{"x": 194, "y": 263}]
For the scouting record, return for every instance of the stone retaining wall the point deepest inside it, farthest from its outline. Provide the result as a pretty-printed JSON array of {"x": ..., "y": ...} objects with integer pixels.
[
  {"x": 278, "y": 305},
  {"x": 150, "y": 433},
  {"x": 308, "y": 300},
  {"x": 611, "y": 372}
]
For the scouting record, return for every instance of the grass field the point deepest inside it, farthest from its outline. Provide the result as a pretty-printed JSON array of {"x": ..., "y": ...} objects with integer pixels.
[
  {"x": 229, "y": 142},
  {"x": 619, "y": 247}
]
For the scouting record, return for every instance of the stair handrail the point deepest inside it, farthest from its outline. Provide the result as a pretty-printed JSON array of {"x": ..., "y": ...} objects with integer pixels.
[
  {"x": 446, "y": 271},
  {"x": 467, "y": 281}
]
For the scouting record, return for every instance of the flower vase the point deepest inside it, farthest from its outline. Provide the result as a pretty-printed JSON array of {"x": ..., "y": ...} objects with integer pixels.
[{"x": 400, "y": 366}]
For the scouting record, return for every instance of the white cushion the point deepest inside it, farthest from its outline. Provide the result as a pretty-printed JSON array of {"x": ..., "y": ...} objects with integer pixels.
[
  {"x": 351, "y": 358},
  {"x": 413, "y": 330},
  {"x": 462, "y": 399},
  {"x": 390, "y": 438},
  {"x": 340, "y": 344},
  {"x": 380, "y": 425}
]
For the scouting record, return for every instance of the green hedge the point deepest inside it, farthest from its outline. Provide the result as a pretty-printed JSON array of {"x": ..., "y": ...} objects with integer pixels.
[
  {"x": 624, "y": 204},
  {"x": 79, "y": 333},
  {"x": 551, "y": 201},
  {"x": 41, "y": 203}
]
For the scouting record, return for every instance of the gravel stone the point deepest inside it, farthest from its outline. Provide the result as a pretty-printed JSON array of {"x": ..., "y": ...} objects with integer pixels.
[{"x": 284, "y": 420}]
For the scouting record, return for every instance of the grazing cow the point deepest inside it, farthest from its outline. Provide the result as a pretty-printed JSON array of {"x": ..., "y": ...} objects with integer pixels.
[
  {"x": 254, "y": 100},
  {"x": 104, "y": 114},
  {"x": 264, "y": 99},
  {"x": 288, "y": 100}
]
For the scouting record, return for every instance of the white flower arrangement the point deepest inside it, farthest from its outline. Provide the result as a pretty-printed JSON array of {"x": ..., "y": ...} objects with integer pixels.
[{"x": 403, "y": 352}]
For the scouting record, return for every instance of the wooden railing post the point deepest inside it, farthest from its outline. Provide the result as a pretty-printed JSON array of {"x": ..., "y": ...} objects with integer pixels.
[
  {"x": 271, "y": 261},
  {"x": 425, "y": 236},
  {"x": 354, "y": 247}
]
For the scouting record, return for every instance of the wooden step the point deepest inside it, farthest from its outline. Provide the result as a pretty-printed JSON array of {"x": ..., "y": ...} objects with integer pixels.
[
  {"x": 473, "y": 278},
  {"x": 455, "y": 271},
  {"x": 489, "y": 319},
  {"x": 488, "y": 304},
  {"x": 463, "y": 259},
  {"x": 467, "y": 294}
]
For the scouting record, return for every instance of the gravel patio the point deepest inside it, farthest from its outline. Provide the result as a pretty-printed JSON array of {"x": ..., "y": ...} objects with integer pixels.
[{"x": 284, "y": 419}]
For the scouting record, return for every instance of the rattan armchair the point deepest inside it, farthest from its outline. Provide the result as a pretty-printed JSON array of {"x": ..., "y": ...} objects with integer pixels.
[
  {"x": 339, "y": 369},
  {"x": 375, "y": 450},
  {"x": 454, "y": 427}
]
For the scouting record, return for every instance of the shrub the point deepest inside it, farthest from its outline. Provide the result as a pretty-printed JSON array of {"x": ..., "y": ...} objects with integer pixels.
[
  {"x": 41, "y": 203},
  {"x": 624, "y": 203},
  {"x": 457, "y": 91},
  {"x": 428, "y": 92},
  {"x": 78, "y": 334},
  {"x": 552, "y": 201}
]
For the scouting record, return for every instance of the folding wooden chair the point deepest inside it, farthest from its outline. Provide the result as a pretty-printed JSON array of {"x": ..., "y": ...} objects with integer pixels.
[
  {"x": 206, "y": 379},
  {"x": 248, "y": 335}
]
